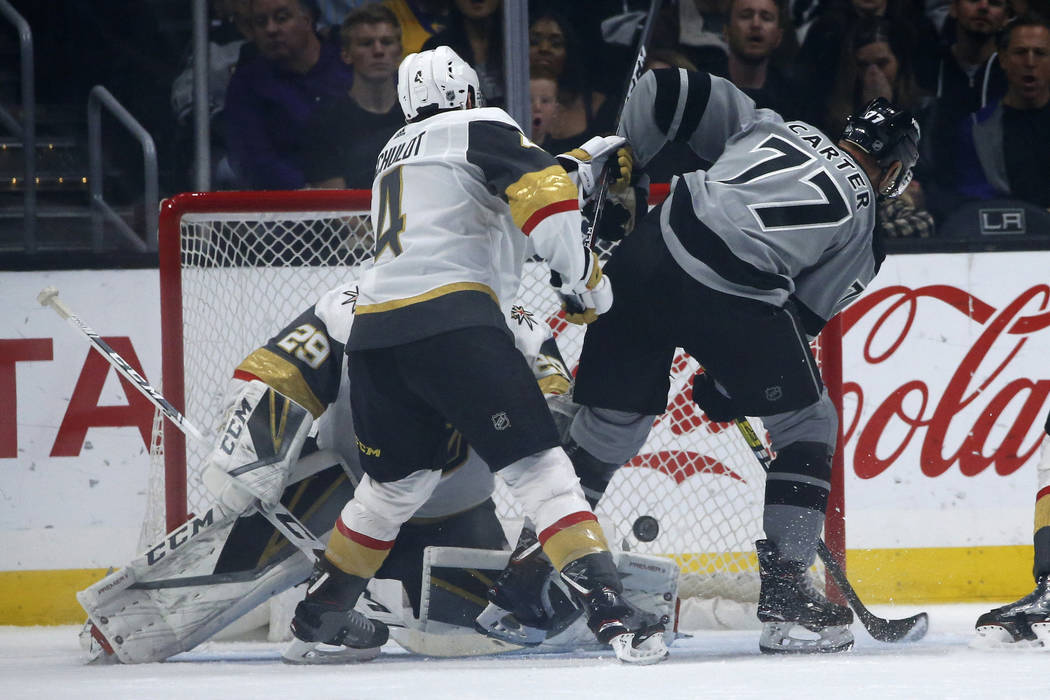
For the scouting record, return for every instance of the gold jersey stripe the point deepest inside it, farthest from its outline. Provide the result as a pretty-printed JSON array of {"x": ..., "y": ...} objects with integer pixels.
[
  {"x": 575, "y": 541},
  {"x": 554, "y": 384},
  {"x": 354, "y": 557},
  {"x": 537, "y": 190},
  {"x": 427, "y": 296},
  {"x": 283, "y": 376},
  {"x": 1042, "y": 512}
]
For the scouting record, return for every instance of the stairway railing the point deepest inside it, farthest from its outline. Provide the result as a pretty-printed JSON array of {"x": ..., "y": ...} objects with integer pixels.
[
  {"x": 101, "y": 211},
  {"x": 26, "y": 130}
]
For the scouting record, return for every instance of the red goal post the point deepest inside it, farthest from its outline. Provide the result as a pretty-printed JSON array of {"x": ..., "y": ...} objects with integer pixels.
[{"x": 235, "y": 267}]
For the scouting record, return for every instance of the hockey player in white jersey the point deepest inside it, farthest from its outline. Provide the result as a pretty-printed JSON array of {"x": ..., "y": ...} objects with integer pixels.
[
  {"x": 740, "y": 265},
  {"x": 1026, "y": 623},
  {"x": 460, "y": 199},
  {"x": 225, "y": 561}
]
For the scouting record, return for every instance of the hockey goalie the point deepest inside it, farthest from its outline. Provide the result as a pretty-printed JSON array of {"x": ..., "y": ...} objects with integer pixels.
[{"x": 286, "y": 436}]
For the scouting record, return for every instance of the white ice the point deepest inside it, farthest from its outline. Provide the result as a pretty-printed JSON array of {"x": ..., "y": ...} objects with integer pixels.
[{"x": 46, "y": 662}]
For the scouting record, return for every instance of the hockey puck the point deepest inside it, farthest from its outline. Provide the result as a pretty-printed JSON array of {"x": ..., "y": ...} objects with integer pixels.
[{"x": 646, "y": 528}]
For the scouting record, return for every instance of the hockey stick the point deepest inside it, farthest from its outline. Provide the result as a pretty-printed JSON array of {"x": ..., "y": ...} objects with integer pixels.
[
  {"x": 909, "y": 629},
  {"x": 632, "y": 80},
  {"x": 279, "y": 516},
  {"x": 573, "y": 304}
]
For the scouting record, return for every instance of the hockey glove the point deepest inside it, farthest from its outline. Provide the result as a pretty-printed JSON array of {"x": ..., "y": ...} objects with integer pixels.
[
  {"x": 717, "y": 406},
  {"x": 620, "y": 213},
  {"x": 584, "y": 301},
  {"x": 592, "y": 157}
]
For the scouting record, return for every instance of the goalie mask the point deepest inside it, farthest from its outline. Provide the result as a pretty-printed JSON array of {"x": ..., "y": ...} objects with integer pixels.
[
  {"x": 432, "y": 81},
  {"x": 889, "y": 134}
]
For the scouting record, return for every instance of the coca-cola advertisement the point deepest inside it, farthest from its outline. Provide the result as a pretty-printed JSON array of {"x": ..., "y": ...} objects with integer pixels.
[{"x": 946, "y": 387}]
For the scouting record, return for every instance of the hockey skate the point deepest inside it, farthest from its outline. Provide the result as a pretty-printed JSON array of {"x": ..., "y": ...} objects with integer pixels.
[
  {"x": 636, "y": 638},
  {"x": 524, "y": 607},
  {"x": 1025, "y": 623},
  {"x": 326, "y": 628},
  {"x": 796, "y": 618}
]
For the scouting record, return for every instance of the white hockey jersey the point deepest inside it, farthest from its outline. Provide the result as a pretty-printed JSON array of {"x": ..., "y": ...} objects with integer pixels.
[
  {"x": 459, "y": 201},
  {"x": 306, "y": 362},
  {"x": 781, "y": 212}
]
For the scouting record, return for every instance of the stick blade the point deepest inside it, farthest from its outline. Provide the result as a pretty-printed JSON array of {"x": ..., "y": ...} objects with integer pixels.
[{"x": 908, "y": 629}]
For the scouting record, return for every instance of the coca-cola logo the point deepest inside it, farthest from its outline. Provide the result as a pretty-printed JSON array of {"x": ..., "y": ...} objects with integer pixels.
[{"x": 984, "y": 383}]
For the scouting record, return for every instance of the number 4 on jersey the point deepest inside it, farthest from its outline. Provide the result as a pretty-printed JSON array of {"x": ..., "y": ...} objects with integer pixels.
[{"x": 390, "y": 222}]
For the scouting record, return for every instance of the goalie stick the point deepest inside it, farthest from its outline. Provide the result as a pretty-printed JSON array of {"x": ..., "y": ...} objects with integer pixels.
[
  {"x": 281, "y": 518},
  {"x": 909, "y": 629}
]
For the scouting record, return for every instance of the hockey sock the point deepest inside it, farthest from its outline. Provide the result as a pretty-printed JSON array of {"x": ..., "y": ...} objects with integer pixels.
[{"x": 797, "y": 489}]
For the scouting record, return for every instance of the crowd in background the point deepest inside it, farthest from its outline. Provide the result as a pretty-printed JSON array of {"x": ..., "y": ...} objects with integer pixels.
[{"x": 303, "y": 92}]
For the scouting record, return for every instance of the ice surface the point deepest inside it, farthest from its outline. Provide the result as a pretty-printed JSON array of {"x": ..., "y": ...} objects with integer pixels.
[{"x": 46, "y": 662}]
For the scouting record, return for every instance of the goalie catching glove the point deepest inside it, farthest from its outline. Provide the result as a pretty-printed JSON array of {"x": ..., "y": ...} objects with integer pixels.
[{"x": 589, "y": 298}]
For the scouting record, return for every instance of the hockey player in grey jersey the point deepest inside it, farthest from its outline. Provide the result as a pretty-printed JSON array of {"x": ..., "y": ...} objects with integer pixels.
[{"x": 741, "y": 264}]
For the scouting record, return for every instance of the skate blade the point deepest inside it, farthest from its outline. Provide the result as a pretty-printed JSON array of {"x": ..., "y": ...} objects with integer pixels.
[
  {"x": 793, "y": 638},
  {"x": 1042, "y": 633},
  {"x": 648, "y": 651},
  {"x": 500, "y": 624},
  {"x": 998, "y": 638},
  {"x": 313, "y": 653}
]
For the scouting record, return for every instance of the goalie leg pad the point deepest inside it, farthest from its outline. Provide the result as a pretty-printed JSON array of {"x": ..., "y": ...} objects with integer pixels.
[
  {"x": 168, "y": 600},
  {"x": 259, "y": 441}
]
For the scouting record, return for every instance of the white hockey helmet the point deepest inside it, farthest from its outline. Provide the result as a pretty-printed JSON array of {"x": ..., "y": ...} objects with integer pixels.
[{"x": 435, "y": 80}]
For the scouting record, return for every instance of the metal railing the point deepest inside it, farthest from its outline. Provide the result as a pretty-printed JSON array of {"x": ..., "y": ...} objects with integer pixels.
[
  {"x": 101, "y": 212},
  {"x": 26, "y": 130}
]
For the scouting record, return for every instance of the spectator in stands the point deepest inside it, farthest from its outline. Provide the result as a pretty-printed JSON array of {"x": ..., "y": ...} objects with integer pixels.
[
  {"x": 1012, "y": 137},
  {"x": 475, "y": 32},
  {"x": 694, "y": 28},
  {"x": 582, "y": 112},
  {"x": 880, "y": 65},
  {"x": 420, "y": 20},
  {"x": 347, "y": 132},
  {"x": 543, "y": 95},
  {"x": 271, "y": 98},
  {"x": 965, "y": 77},
  {"x": 824, "y": 43},
  {"x": 229, "y": 45},
  {"x": 753, "y": 31}
]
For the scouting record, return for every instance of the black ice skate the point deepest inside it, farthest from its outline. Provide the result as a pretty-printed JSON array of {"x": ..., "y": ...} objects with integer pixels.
[
  {"x": 796, "y": 618},
  {"x": 326, "y": 627},
  {"x": 1025, "y": 623},
  {"x": 635, "y": 637},
  {"x": 524, "y": 608}
]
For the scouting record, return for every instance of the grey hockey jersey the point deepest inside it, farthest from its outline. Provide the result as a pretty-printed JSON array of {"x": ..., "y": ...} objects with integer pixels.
[{"x": 782, "y": 211}]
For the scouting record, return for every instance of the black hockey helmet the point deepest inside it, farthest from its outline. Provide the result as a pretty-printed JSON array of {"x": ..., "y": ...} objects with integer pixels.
[{"x": 889, "y": 134}]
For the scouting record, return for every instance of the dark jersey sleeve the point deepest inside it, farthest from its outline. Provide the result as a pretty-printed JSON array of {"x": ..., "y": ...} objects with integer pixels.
[
  {"x": 302, "y": 362},
  {"x": 521, "y": 173},
  {"x": 325, "y": 155}
]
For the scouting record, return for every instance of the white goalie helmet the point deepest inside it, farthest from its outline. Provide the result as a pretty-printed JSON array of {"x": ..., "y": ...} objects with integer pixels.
[{"x": 435, "y": 80}]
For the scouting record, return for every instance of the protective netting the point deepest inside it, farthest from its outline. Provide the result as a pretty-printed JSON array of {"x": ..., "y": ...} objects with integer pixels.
[{"x": 245, "y": 276}]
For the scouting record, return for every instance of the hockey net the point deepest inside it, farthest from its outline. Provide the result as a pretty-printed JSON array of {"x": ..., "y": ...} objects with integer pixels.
[{"x": 236, "y": 267}]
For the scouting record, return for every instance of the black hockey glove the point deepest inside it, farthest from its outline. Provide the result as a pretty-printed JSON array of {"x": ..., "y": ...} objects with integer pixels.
[
  {"x": 716, "y": 405},
  {"x": 617, "y": 219}
]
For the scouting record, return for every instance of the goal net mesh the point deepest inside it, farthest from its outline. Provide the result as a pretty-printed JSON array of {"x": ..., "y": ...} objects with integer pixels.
[{"x": 245, "y": 274}]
